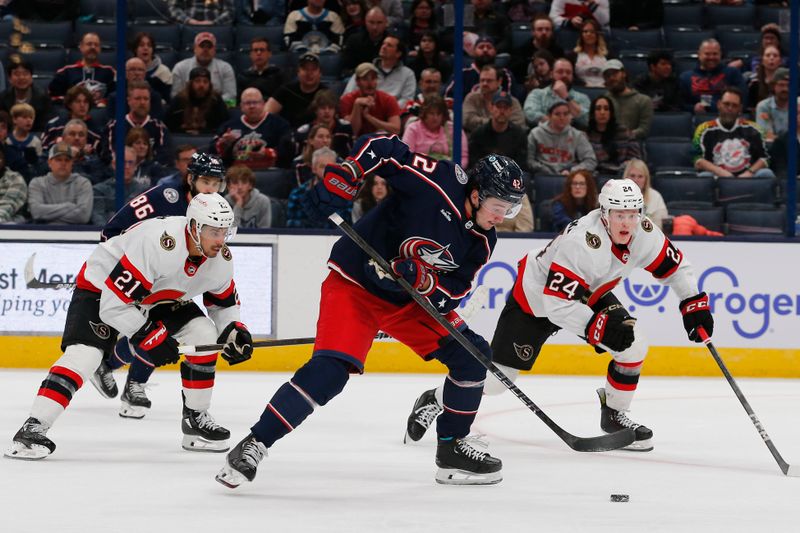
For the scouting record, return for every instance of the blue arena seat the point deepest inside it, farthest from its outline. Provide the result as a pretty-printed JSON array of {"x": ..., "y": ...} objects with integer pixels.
[
  {"x": 743, "y": 219},
  {"x": 58, "y": 33},
  {"x": 635, "y": 66},
  {"x": 738, "y": 40},
  {"x": 102, "y": 9},
  {"x": 520, "y": 35},
  {"x": 42, "y": 81},
  {"x": 201, "y": 142},
  {"x": 106, "y": 32},
  {"x": 677, "y": 124},
  {"x": 705, "y": 213},
  {"x": 638, "y": 40},
  {"x": 47, "y": 60},
  {"x": 331, "y": 65},
  {"x": 275, "y": 182},
  {"x": 164, "y": 35},
  {"x": 682, "y": 14},
  {"x": 245, "y": 33},
  {"x": 746, "y": 190},
  {"x": 668, "y": 153},
  {"x": 151, "y": 11},
  {"x": 686, "y": 40},
  {"x": 546, "y": 187},
  {"x": 767, "y": 14},
  {"x": 681, "y": 188},
  {"x": 744, "y": 15}
]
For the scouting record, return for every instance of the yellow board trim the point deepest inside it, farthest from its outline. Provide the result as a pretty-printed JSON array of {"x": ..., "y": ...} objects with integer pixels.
[{"x": 41, "y": 352}]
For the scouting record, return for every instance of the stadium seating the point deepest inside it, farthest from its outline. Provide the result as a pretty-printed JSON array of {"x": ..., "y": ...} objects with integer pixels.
[
  {"x": 42, "y": 81},
  {"x": 150, "y": 11},
  {"x": 46, "y": 61},
  {"x": 273, "y": 34},
  {"x": 679, "y": 39},
  {"x": 745, "y": 219},
  {"x": 224, "y": 35},
  {"x": 546, "y": 187},
  {"x": 683, "y": 15},
  {"x": 767, "y": 14},
  {"x": 744, "y": 15},
  {"x": 673, "y": 125},
  {"x": 636, "y": 40},
  {"x": 746, "y": 190},
  {"x": 57, "y": 33},
  {"x": 520, "y": 35},
  {"x": 102, "y": 9},
  {"x": 668, "y": 153},
  {"x": 706, "y": 214},
  {"x": 731, "y": 40},
  {"x": 164, "y": 35},
  {"x": 275, "y": 182},
  {"x": 201, "y": 142},
  {"x": 682, "y": 188},
  {"x": 106, "y": 32}
]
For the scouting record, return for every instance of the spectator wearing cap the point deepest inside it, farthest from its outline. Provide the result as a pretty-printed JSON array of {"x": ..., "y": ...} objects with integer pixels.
[
  {"x": 201, "y": 12},
  {"x": 136, "y": 70},
  {"x": 394, "y": 77},
  {"x": 368, "y": 109},
  {"x": 571, "y": 14},
  {"x": 222, "y": 75},
  {"x": 500, "y": 135},
  {"x": 660, "y": 82},
  {"x": 13, "y": 193},
  {"x": 485, "y": 53},
  {"x": 21, "y": 90},
  {"x": 293, "y": 100},
  {"x": 634, "y": 110},
  {"x": 542, "y": 38},
  {"x": 555, "y": 147},
  {"x": 139, "y": 117},
  {"x": 104, "y": 205},
  {"x": 60, "y": 196},
  {"x": 365, "y": 44},
  {"x": 477, "y": 104},
  {"x": 198, "y": 108},
  {"x": 539, "y": 101},
  {"x": 702, "y": 87},
  {"x": 253, "y": 138},
  {"x": 313, "y": 28},
  {"x": 433, "y": 135},
  {"x": 772, "y": 113},
  {"x": 261, "y": 75},
  {"x": 87, "y": 71}
]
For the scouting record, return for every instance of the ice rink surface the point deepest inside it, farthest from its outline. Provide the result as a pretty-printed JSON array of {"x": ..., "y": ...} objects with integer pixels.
[{"x": 346, "y": 468}]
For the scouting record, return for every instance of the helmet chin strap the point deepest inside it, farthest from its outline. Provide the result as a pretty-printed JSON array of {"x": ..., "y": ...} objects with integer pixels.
[{"x": 196, "y": 240}]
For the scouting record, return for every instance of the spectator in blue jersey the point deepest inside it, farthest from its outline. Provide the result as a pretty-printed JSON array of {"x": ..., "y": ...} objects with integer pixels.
[
  {"x": 139, "y": 117},
  {"x": 253, "y": 138},
  {"x": 313, "y": 29},
  {"x": 21, "y": 138},
  {"x": 88, "y": 72},
  {"x": 702, "y": 87},
  {"x": 297, "y": 208},
  {"x": 324, "y": 106},
  {"x": 105, "y": 192},
  {"x": 202, "y": 12},
  {"x": 77, "y": 104},
  {"x": 157, "y": 74}
]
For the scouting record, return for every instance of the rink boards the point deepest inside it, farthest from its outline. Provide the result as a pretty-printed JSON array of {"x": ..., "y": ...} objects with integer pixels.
[{"x": 751, "y": 286}]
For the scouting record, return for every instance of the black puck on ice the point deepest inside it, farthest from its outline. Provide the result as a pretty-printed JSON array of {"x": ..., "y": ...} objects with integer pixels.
[{"x": 620, "y": 498}]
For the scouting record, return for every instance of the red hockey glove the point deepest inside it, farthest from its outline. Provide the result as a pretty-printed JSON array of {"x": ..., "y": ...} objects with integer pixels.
[
  {"x": 696, "y": 312},
  {"x": 238, "y": 343},
  {"x": 415, "y": 273},
  {"x": 154, "y": 346},
  {"x": 611, "y": 329},
  {"x": 340, "y": 181}
]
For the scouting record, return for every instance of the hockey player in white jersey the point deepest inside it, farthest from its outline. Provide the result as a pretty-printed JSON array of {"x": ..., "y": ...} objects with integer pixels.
[
  {"x": 568, "y": 283},
  {"x": 140, "y": 284}
]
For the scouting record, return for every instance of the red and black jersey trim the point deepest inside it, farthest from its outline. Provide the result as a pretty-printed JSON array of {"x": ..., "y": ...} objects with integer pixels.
[
  {"x": 565, "y": 284},
  {"x": 127, "y": 282},
  {"x": 227, "y": 298},
  {"x": 667, "y": 262}
]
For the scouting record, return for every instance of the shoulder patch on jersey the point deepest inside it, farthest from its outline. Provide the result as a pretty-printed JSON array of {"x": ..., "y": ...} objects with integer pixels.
[
  {"x": 102, "y": 331},
  {"x": 461, "y": 176},
  {"x": 167, "y": 241},
  {"x": 524, "y": 352},
  {"x": 226, "y": 253},
  {"x": 171, "y": 195},
  {"x": 647, "y": 225},
  {"x": 592, "y": 240}
]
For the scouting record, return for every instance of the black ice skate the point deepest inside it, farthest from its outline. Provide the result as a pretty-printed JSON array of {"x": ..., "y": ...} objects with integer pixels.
[
  {"x": 135, "y": 402},
  {"x": 201, "y": 433},
  {"x": 242, "y": 462},
  {"x": 103, "y": 381},
  {"x": 461, "y": 462},
  {"x": 30, "y": 441},
  {"x": 612, "y": 420},
  {"x": 425, "y": 411}
]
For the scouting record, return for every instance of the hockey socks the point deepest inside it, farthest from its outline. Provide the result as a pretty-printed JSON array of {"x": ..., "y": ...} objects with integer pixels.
[
  {"x": 461, "y": 402},
  {"x": 140, "y": 372},
  {"x": 197, "y": 377},
  {"x": 621, "y": 382},
  {"x": 315, "y": 383}
]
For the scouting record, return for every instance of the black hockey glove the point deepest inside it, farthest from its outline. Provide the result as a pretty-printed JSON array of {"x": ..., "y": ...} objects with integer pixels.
[
  {"x": 696, "y": 312},
  {"x": 238, "y": 343},
  {"x": 154, "y": 346},
  {"x": 612, "y": 329},
  {"x": 415, "y": 273}
]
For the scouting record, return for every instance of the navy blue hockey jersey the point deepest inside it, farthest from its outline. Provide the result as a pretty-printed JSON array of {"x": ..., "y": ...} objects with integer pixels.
[
  {"x": 423, "y": 217},
  {"x": 166, "y": 200}
]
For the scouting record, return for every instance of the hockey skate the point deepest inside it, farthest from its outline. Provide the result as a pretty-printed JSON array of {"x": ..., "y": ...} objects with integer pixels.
[
  {"x": 463, "y": 462},
  {"x": 103, "y": 381},
  {"x": 135, "y": 402},
  {"x": 425, "y": 411},
  {"x": 242, "y": 462},
  {"x": 201, "y": 433},
  {"x": 612, "y": 420},
  {"x": 31, "y": 442}
]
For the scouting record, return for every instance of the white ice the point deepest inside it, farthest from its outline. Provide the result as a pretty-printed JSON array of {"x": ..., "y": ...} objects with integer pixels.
[{"x": 346, "y": 468}]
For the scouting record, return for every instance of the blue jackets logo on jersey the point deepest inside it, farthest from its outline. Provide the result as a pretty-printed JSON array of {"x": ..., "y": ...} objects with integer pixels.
[
  {"x": 171, "y": 195},
  {"x": 432, "y": 253}
]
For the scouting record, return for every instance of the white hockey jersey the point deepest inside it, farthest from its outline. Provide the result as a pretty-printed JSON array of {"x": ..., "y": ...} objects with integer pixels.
[
  {"x": 562, "y": 280},
  {"x": 149, "y": 265}
]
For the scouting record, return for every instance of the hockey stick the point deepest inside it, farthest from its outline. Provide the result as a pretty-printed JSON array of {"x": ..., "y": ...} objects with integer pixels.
[
  {"x": 611, "y": 441},
  {"x": 786, "y": 468},
  {"x": 32, "y": 283},
  {"x": 476, "y": 301}
]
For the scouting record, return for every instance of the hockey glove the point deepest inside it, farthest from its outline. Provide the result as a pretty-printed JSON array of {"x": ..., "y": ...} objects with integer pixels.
[
  {"x": 238, "y": 343},
  {"x": 415, "y": 273},
  {"x": 340, "y": 182},
  {"x": 612, "y": 329},
  {"x": 154, "y": 346},
  {"x": 696, "y": 313}
]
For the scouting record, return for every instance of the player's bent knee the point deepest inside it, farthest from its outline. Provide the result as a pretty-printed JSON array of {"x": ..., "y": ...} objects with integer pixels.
[
  {"x": 463, "y": 366},
  {"x": 637, "y": 351},
  {"x": 81, "y": 358},
  {"x": 200, "y": 330},
  {"x": 322, "y": 378},
  {"x": 493, "y": 386}
]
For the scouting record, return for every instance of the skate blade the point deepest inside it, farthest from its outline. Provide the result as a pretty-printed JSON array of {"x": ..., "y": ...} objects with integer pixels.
[
  {"x": 454, "y": 476},
  {"x": 230, "y": 477},
  {"x": 639, "y": 446},
  {"x": 408, "y": 438},
  {"x": 193, "y": 443},
  {"x": 32, "y": 453},
  {"x": 136, "y": 412}
]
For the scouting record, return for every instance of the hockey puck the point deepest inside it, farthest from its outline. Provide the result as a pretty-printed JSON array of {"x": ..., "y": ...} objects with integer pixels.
[{"x": 620, "y": 498}]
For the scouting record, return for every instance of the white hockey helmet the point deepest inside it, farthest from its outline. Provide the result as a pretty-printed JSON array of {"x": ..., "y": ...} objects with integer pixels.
[
  {"x": 620, "y": 194},
  {"x": 210, "y": 210}
]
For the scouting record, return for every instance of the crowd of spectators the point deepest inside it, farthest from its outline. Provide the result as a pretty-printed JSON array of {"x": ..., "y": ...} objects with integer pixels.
[{"x": 573, "y": 99}]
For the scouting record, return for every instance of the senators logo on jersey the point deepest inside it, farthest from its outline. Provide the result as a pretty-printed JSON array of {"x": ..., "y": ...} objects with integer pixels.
[
  {"x": 167, "y": 241},
  {"x": 592, "y": 240},
  {"x": 226, "y": 253},
  {"x": 647, "y": 225},
  {"x": 432, "y": 253}
]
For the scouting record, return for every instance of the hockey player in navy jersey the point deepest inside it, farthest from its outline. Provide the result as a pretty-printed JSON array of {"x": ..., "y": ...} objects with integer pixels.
[
  {"x": 140, "y": 284},
  {"x": 206, "y": 174},
  {"x": 568, "y": 283},
  {"x": 436, "y": 230}
]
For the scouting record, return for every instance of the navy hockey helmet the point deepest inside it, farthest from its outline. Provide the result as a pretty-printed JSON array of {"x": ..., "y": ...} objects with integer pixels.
[
  {"x": 498, "y": 176},
  {"x": 203, "y": 164}
]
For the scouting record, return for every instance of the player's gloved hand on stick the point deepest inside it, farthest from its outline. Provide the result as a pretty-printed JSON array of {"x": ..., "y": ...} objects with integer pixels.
[
  {"x": 340, "y": 181},
  {"x": 416, "y": 273},
  {"x": 612, "y": 330},
  {"x": 697, "y": 312},
  {"x": 238, "y": 343},
  {"x": 154, "y": 346}
]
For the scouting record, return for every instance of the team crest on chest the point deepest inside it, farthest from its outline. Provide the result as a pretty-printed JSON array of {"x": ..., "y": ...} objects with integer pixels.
[
  {"x": 647, "y": 225},
  {"x": 592, "y": 240},
  {"x": 226, "y": 253},
  {"x": 167, "y": 241},
  {"x": 430, "y": 252},
  {"x": 171, "y": 195},
  {"x": 461, "y": 176}
]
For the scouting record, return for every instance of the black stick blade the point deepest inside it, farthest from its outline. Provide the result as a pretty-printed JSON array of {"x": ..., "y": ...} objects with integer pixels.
[{"x": 603, "y": 443}]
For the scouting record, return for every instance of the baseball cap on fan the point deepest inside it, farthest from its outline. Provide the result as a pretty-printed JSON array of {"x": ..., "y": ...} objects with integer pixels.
[{"x": 205, "y": 36}]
